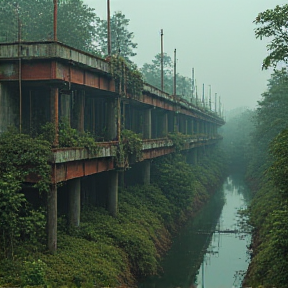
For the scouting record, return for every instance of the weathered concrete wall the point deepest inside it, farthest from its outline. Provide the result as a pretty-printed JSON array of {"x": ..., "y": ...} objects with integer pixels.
[{"x": 8, "y": 107}]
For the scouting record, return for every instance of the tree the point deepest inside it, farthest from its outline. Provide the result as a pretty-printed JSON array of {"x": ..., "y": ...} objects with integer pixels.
[
  {"x": 152, "y": 72},
  {"x": 36, "y": 19},
  {"x": 121, "y": 39},
  {"x": 237, "y": 137},
  {"x": 273, "y": 25},
  {"x": 152, "y": 75}
]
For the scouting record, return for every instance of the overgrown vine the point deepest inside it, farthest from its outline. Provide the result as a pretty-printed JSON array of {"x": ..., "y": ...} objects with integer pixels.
[
  {"x": 129, "y": 149},
  {"x": 127, "y": 77}
]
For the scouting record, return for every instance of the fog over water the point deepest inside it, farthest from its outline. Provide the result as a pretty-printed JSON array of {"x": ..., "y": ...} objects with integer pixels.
[{"x": 216, "y": 37}]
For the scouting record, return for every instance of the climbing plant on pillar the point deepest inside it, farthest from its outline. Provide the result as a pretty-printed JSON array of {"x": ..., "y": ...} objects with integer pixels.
[
  {"x": 178, "y": 140},
  {"x": 129, "y": 149},
  {"x": 21, "y": 156}
]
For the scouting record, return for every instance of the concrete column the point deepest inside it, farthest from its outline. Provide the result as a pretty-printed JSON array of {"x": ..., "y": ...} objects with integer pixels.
[
  {"x": 111, "y": 119},
  {"x": 170, "y": 122},
  {"x": 186, "y": 126},
  {"x": 165, "y": 124},
  {"x": 112, "y": 206},
  {"x": 176, "y": 123},
  {"x": 79, "y": 107},
  {"x": 74, "y": 201},
  {"x": 192, "y": 156},
  {"x": 197, "y": 127},
  {"x": 147, "y": 124},
  {"x": 55, "y": 112},
  {"x": 8, "y": 108},
  {"x": 195, "y": 156},
  {"x": 52, "y": 219},
  {"x": 65, "y": 107},
  {"x": 121, "y": 178},
  {"x": 146, "y": 165},
  {"x": 134, "y": 120}
]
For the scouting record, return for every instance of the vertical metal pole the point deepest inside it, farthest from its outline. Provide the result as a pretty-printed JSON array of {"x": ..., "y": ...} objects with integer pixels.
[
  {"x": 174, "y": 90},
  {"x": 203, "y": 94},
  {"x": 193, "y": 85},
  {"x": 30, "y": 113},
  {"x": 162, "y": 66},
  {"x": 55, "y": 20},
  {"x": 210, "y": 98},
  {"x": 19, "y": 71},
  {"x": 55, "y": 97},
  {"x": 215, "y": 102},
  {"x": 196, "y": 88},
  {"x": 119, "y": 119},
  {"x": 108, "y": 28}
]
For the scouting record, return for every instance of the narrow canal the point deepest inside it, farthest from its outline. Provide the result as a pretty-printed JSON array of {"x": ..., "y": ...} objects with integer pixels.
[{"x": 211, "y": 250}]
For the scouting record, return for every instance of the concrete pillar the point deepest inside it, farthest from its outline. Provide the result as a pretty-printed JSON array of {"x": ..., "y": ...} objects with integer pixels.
[
  {"x": 55, "y": 112},
  {"x": 65, "y": 107},
  {"x": 165, "y": 124},
  {"x": 52, "y": 219},
  {"x": 146, "y": 165},
  {"x": 74, "y": 191},
  {"x": 192, "y": 156},
  {"x": 8, "y": 108},
  {"x": 112, "y": 206},
  {"x": 186, "y": 126},
  {"x": 79, "y": 108},
  {"x": 176, "y": 123},
  {"x": 134, "y": 120},
  {"x": 111, "y": 120},
  {"x": 170, "y": 122},
  {"x": 197, "y": 127},
  {"x": 147, "y": 124},
  {"x": 195, "y": 156},
  {"x": 121, "y": 178}
]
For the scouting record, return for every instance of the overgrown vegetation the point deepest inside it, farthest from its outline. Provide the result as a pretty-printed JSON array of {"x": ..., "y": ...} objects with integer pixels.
[
  {"x": 265, "y": 159},
  {"x": 21, "y": 156},
  {"x": 129, "y": 149},
  {"x": 127, "y": 77},
  {"x": 107, "y": 251}
]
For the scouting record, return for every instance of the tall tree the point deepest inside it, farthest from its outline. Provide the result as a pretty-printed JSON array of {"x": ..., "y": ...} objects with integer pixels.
[
  {"x": 152, "y": 72},
  {"x": 75, "y": 22},
  {"x": 273, "y": 25},
  {"x": 152, "y": 75},
  {"x": 121, "y": 39}
]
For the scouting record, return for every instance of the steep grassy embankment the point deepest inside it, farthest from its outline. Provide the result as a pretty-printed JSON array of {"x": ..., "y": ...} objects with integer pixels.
[{"x": 107, "y": 251}]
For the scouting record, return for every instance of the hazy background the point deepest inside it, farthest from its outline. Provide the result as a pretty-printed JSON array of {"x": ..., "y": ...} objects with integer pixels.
[{"x": 216, "y": 37}]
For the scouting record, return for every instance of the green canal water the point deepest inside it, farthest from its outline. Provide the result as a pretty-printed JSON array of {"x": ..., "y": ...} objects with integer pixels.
[{"x": 211, "y": 250}]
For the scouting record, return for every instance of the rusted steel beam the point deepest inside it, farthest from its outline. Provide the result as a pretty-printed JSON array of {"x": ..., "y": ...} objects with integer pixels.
[
  {"x": 72, "y": 163},
  {"x": 70, "y": 170}
]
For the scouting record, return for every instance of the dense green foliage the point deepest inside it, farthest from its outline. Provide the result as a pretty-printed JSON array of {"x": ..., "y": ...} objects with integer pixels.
[
  {"x": 273, "y": 25},
  {"x": 128, "y": 78},
  {"x": 21, "y": 156},
  {"x": 107, "y": 251},
  {"x": 152, "y": 75},
  {"x": 121, "y": 39},
  {"x": 36, "y": 18},
  {"x": 266, "y": 156},
  {"x": 129, "y": 149}
]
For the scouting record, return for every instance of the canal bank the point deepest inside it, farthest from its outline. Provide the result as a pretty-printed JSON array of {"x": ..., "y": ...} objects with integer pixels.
[
  {"x": 211, "y": 249},
  {"x": 114, "y": 252}
]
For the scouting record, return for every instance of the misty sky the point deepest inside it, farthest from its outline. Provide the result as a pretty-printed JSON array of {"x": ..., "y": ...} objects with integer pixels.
[{"x": 216, "y": 37}]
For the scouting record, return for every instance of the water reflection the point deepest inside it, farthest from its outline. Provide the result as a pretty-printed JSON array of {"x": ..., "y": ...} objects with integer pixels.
[{"x": 211, "y": 250}]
